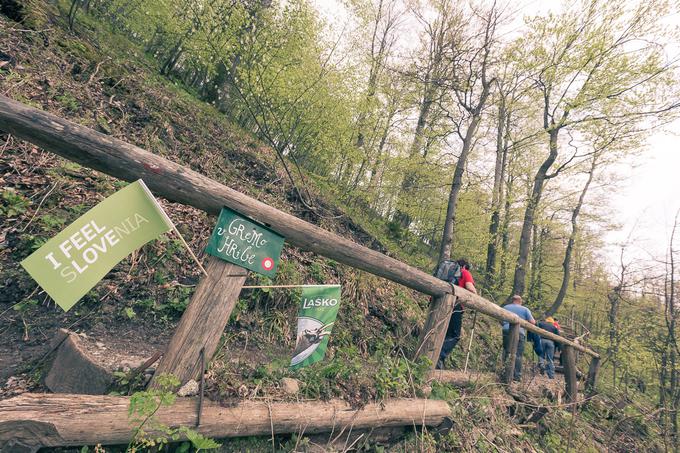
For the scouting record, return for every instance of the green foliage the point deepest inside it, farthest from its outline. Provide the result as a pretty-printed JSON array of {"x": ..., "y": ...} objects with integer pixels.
[
  {"x": 13, "y": 203},
  {"x": 67, "y": 101},
  {"x": 149, "y": 433},
  {"x": 444, "y": 392},
  {"x": 129, "y": 313},
  {"x": 398, "y": 376},
  {"x": 25, "y": 306}
]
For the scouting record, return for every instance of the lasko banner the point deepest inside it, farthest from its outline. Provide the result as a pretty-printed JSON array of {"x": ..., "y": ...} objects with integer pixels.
[
  {"x": 246, "y": 243},
  {"x": 73, "y": 261},
  {"x": 318, "y": 310}
]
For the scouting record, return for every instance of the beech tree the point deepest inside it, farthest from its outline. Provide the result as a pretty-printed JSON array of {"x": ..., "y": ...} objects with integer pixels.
[
  {"x": 594, "y": 63},
  {"x": 471, "y": 87}
]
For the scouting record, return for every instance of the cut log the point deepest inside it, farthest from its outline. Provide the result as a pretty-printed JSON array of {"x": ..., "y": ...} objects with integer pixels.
[
  {"x": 44, "y": 420},
  {"x": 437, "y": 322},
  {"x": 203, "y": 321},
  {"x": 84, "y": 365}
]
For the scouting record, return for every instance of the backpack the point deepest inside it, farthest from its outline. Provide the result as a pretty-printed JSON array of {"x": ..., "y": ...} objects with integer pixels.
[{"x": 449, "y": 271}]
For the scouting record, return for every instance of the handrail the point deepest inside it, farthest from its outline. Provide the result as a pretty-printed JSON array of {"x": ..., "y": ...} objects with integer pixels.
[{"x": 183, "y": 185}]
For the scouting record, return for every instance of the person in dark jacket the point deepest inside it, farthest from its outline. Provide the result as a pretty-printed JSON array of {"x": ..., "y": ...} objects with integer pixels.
[
  {"x": 548, "y": 346},
  {"x": 535, "y": 339},
  {"x": 456, "y": 322}
]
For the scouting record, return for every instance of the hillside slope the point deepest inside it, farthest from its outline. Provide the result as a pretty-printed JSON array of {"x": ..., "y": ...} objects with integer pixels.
[{"x": 99, "y": 79}]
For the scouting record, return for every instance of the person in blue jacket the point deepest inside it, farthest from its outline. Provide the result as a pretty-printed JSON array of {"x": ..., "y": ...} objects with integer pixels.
[{"x": 515, "y": 306}]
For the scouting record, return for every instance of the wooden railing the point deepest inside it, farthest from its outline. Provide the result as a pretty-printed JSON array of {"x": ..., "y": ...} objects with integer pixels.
[{"x": 183, "y": 185}]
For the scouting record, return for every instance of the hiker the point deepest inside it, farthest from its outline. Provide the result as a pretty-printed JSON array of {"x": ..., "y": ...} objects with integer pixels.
[
  {"x": 535, "y": 339},
  {"x": 548, "y": 346},
  {"x": 456, "y": 273},
  {"x": 515, "y": 306}
]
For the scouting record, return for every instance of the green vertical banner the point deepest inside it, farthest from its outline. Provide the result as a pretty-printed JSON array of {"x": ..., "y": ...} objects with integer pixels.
[
  {"x": 72, "y": 262},
  {"x": 318, "y": 310}
]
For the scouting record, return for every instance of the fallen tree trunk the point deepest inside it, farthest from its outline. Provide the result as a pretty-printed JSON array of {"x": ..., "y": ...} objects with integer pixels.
[{"x": 53, "y": 420}]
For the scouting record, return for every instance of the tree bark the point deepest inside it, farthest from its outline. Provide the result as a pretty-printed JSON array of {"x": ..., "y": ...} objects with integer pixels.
[
  {"x": 45, "y": 420},
  {"x": 570, "y": 377},
  {"x": 512, "y": 353},
  {"x": 593, "y": 371},
  {"x": 457, "y": 183},
  {"x": 566, "y": 263},
  {"x": 519, "y": 279},
  {"x": 505, "y": 234},
  {"x": 496, "y": 194},
  {"x": 434, "y": 331}
]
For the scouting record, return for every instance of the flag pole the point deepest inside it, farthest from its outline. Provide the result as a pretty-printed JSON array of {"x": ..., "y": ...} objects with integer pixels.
[
  {"x": 174, "y": 228},
  {"x": 172, "y": 224}
]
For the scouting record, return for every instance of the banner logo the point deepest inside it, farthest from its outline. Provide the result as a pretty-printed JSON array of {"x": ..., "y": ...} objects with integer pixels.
[
  {"x": 318, "y": 310},
  {"x": 75, "y": 260}
]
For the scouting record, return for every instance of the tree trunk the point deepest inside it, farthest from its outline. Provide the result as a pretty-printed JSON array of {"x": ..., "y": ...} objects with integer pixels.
[
  {"x": 496, "y": 195},
  {"x": 45, "y": 420},
  {"x": 505, "y": 234},
  {"x": 566, "y": 264},
  {"x": 450, "y": 219},
  {"x": 519, "y": 279},
  {"x": 409, "y": 180}
]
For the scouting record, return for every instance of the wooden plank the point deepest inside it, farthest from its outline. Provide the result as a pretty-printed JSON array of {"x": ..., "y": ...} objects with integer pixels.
[
  {"x": 591, "y": 380},
  {"x": 512, "y": 353},
  {"x": 434, "y": 331},
  {"x": 183, "y": 185},
  {"x": 570, "y": 378},
  {"x": 56, "y": 420},
  {"x": 203, "y": 321}
]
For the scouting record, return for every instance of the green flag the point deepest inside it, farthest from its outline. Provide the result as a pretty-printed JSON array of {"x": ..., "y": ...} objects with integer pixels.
[
  {"x": 246, "y": 243},
  {"x": 73, "y": 261},
  {"x": 318, "y": 309}
]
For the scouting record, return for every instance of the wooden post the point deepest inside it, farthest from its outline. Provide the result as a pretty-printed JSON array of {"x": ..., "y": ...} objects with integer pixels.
[
  {"x": 591, "y": 382},
  {"x": 203, "y": 321},
  {"x": 513, "y": 339},
  {"x": 570, "y": 378},
  {"x": 434, "y": 331}
]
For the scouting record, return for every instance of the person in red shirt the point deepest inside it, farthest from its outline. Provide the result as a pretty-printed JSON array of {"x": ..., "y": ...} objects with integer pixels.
[{"x": 456, "y": 322}]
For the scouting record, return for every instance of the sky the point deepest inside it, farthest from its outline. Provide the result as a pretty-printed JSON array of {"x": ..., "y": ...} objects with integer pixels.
[{"x": 647, "y": 197}]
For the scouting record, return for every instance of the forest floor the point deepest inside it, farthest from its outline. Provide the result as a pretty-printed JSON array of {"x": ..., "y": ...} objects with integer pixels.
[{"x": 99, "y": 79}]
